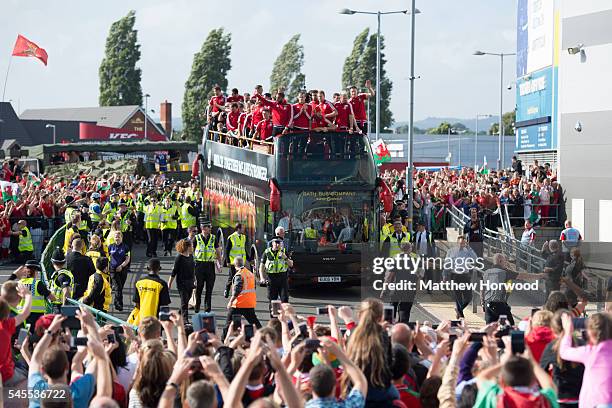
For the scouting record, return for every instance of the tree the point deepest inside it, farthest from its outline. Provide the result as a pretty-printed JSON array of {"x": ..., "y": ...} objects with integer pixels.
[
  {"x": 441, "y": 129},
  {"x": 287, "y": 70},
  {"x": 351, "y": 63},
  {"x": 209, "y": 68},
  {"x": 367, "y": 70},
  {"x": 119, "y": 76},
  {"x": 508, "y": 119},
  {"x": 405, "y": 129}
]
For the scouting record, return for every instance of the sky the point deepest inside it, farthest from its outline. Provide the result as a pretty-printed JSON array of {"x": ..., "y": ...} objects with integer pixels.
[{"x": 453, "y": 82}]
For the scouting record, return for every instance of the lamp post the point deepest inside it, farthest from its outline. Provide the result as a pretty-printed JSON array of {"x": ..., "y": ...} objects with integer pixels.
[
  {"x": 147, "y": 96},
  {"x": 478, "y": 116},
  {"x": 378, "y": 14},
  {"x": 48, "y": 125},
  {"x": 500, "y": 154}
]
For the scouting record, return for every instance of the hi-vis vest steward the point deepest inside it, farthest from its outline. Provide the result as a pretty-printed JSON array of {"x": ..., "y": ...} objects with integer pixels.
[
  {"x": 167, "y": 217},
  {"x": 310, "y": 233},
  {"x": 238, "y": 246},
  {"x": 56, "y": 289},
  {"x": 25, "y": 242},
  {"x": 395, "y": 247},
  {"x": 273, "y": 262},
  {"x": 39, "y": 303},
  {"x": 204, "y": 251},
  {"x": 106, "y": 292},
  {"x": 187, "y": 220},
  {"x": 247, "y": 298},
  {"x": 68, "y": 214},
  {"x": 94, "y": 254},
  {"x": 124, "y": 221},
  {"x": 94, "y": 216},
  {"x": 152, "y": 214}
]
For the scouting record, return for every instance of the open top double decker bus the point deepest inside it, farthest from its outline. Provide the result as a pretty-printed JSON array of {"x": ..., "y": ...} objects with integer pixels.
[{"x": 320, "y": 187}]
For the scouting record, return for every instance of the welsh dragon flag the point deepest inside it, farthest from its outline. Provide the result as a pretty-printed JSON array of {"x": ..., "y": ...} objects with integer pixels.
[
  {"x": 484, "y": 169},
  {"x": 381, "y": 153},
  {"x": 10, "y": 191}
]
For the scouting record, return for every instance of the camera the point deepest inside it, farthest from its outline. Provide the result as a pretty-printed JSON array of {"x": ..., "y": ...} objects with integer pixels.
[{"x": 578, "y": 127}]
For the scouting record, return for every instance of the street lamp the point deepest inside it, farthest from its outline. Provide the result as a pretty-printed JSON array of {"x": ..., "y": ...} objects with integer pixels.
[
  {"x": 500, "y": 154},
  {"x": 48, "y": 125},
  {"x": 478, "y": 116},
  {"x": 349, "y": 12},
  {"x": 147, "y": 96}
]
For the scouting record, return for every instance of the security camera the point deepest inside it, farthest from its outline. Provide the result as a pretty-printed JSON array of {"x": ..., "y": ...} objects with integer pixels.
[
  {"x": 578, "y": 127},
  {"x": 575, "y": 50}
]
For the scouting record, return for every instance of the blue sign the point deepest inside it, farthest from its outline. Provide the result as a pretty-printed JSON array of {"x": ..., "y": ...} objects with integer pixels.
[
  {"x": 534, "y": 95},
  {"x": 535, "y": 137}
]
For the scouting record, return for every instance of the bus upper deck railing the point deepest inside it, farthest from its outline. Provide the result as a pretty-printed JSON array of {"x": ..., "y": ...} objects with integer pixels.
[{"x": 258, "y": 145}]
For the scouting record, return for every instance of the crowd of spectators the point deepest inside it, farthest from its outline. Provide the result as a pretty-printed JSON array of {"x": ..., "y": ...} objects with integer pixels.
[
  {"x": 359, "y": 359},
  {"x": 533, "y": 196}
]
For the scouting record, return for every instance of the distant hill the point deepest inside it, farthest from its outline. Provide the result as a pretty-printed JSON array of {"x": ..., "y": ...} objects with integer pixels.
[{"x": 470, "y": 123}]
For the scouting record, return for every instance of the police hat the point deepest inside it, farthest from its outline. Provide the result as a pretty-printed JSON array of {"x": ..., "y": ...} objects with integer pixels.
[
  {"x": 95, "y": 196},
  {"x": 122, "y": 202},
  {"x": 114, "y": 195},
  {"x": 32, "y": 264},
  {"x": 69, "y": 199},
  {"x": 204, "y": 222},
  {"x": 277, "y": 239},
  {"x": 58, "y": 256}
]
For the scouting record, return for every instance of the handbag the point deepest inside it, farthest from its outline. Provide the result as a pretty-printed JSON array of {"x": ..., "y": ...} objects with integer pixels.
[{"x": 192, "y": 300}]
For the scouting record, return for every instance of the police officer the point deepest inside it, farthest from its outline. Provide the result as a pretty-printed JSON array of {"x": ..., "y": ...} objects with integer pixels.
[
  {"x": 99, "y": 293},
  {"x": 25, "y": 246},
  {"x": 244, "y": 295},
  {"x": 27, "y": 275},
  {"x": 275, "y": 264},
  {"x": 111, "y": 207},
  {"x": 69, "y": 208},
  {"x": 152, "y": 215},
  {"x": 95, "y": 211},
  {"x": 188, "y": 216},
  {"x": 394, "y": 241},
  {"x": 62, "y": 280},
  {"x": 169, "y": 224},
  {"x": 207, "y": 256},
  {"x": 125, "y": 219},
  {"x": 236, "y": 246}
]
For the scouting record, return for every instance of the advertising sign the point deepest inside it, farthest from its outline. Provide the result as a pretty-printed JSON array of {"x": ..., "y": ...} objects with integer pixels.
[
  {"x": 534, "y": 36},
  {"x": 534, "y": 95},
  {"x": 90, "y": 131}
]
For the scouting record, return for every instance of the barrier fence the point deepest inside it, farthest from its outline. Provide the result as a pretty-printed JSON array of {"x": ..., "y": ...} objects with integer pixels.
[
  {"x": 531, "y": 260},
  {"x": 57, "y": 239}
]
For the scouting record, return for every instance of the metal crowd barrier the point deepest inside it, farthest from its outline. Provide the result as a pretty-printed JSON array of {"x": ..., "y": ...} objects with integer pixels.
[
  {"x": 517, "y": 221},
  {"x": 45, "y": 261}
]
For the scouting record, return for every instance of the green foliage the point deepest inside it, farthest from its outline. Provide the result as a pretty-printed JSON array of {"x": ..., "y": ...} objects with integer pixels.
[
  {"x": 367, "y": 70},
  {"x": 351, "y": 63},
  {"x": 441, "y": 129},
  {"x": 404, "y": 129},
  {"x": 508, "y": 118},
  {"x": 209, "y": 68},
  {"x": 287, "y": 70},
  {"x": 119, "y": 76}
]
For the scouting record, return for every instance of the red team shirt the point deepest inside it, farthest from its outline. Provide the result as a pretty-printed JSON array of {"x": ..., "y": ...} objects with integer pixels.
[
  {"x": 244, "y": 121},
  {"x": 326, "y": 108},
  {"x": 219, "y": 100},
  {"x": 264, "y": 128},
  {"x": 257, "y": 114},
  {"x": 358, "y": 105},
  {"x": 344, "y": 110},
  {"x": 237, "y": 98},
  {"x": 301, "y": 119},
  {"x": 282, "y": 112},
  {"x": 232, "y": 120}
]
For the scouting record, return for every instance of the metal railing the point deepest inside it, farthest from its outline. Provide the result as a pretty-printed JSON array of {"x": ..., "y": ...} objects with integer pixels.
[
  {"x": 552, "y": 213},
  {"x": 241, "y": 141},
  {"x": 45, "y": 261}
]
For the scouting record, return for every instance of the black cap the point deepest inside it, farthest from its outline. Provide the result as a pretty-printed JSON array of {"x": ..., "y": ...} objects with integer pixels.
[
  {"x": 33, "y": 264},
  {"x": 69, "y": 199},
  {"x": 58, "y": 256}
]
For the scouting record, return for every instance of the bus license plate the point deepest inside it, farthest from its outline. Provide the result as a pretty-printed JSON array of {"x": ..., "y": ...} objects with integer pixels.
[{"x": 329, "y": 279}]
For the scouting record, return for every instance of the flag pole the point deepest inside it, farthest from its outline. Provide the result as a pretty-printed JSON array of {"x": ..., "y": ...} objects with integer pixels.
[{"x": 6, "y": 77}]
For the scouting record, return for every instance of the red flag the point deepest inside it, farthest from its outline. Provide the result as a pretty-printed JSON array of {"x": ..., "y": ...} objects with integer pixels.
[{"x": 26, "y": 48}]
